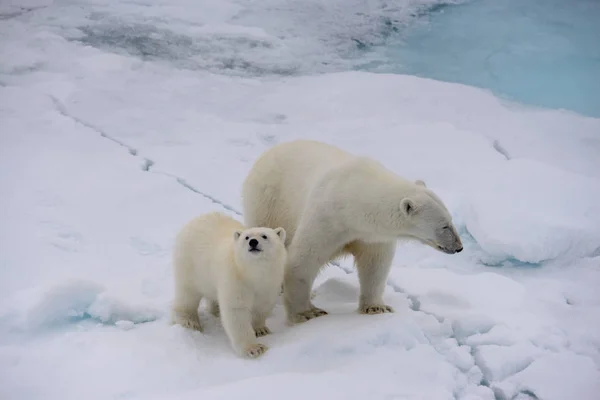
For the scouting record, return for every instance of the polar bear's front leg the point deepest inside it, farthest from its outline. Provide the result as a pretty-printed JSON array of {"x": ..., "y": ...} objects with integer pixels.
[
  {"x": 312, "y": 246},
  {"x": 237, "y": 322},
  {"x": 297, "y": 282},
  {"x": 373, "y": 262}
]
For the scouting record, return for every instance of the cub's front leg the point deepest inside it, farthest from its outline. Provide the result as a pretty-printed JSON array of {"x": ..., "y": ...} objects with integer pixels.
[
  {"x": 236, "y": 317},
  {"x": 259, "y": 319},
  {"x": 261, "y": 329},
  {"x": 238, "y": 326}
]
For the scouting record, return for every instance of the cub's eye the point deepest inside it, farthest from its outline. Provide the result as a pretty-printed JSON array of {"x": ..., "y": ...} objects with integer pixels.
[
  {"x": 264, "y": 237},
  {"x": 446, "y": 227},
  {"x": 247, "y": 237}
]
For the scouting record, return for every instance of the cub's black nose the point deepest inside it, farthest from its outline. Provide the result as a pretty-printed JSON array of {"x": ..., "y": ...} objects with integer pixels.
[
  {"x": 253, "y": 243},
  {"x": 459, "y": 250}
]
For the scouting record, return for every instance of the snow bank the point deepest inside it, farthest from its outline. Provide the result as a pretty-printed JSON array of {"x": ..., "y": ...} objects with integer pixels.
[
  {"x": 534, "y": 212},
  {"x": 47, "y": 307},
  {"x": 554, "y": 377},
  {"x": 503, "y": 203},
  {"x": 500, "y": 362}
]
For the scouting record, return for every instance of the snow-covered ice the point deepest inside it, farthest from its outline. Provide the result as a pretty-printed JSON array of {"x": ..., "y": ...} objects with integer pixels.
[{"x": 120, "y": 121}]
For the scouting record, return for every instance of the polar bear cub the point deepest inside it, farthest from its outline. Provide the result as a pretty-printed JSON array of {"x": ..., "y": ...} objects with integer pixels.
[{"x": 239, "y": 271}]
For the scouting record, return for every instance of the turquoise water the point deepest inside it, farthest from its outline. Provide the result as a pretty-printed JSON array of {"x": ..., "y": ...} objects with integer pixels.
[{"x": 539, "y": 52}]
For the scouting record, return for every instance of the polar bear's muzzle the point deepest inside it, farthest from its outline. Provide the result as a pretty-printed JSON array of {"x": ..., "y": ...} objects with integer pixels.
[
  {"x": 253, "y": 246},
  {"x": 447, "y": 240},
  {"x": 449, "y": 251},
  {"x": 455, "y": 247}
]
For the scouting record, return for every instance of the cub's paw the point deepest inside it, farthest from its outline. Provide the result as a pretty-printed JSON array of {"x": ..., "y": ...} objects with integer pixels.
[
  {"x": 262, "y": 331},
  {"x": 256, "y": 350},
  {"x": 376, "y": 309},
  {"x": 189, "y": 322},
  {"x": 308, "y": 315},
  {"x": 316, "y": 312}
]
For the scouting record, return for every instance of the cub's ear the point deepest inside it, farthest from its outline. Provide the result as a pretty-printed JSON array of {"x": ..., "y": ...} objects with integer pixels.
[
  {"x": 408, "y": 206},
  {"x": 420, "y": 183},
  {"x": 236, "y": 235},
  {"x": 281, "y": 233}
]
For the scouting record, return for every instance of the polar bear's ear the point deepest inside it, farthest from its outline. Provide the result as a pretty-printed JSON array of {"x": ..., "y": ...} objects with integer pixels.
[
  {"x": 420, "y": 183},
  {"x": 236, "y": 235},
  {"x": 281, "y": 233},
  {"x": 408, "y": 206}
]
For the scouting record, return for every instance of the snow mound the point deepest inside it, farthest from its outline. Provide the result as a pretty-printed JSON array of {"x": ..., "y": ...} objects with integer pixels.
[
  {"x": 554, "y": 377},
  {"x": 534, "y": 212},
  {"x": 499, "y": 362},
  {"x": 72, "y": 301}
]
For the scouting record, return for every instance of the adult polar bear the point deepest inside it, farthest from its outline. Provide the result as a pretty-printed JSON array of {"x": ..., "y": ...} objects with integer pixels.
[{"x": 332, "y": 203}]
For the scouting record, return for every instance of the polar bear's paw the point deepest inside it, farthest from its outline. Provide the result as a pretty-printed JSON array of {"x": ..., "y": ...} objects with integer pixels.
[
  {"x": 189, "y": 322},
  {"x": 376, "y": 309},
  {"x": 256, "y": 350},
  {"x": 308, "y": 315},
  {"x": 262, "y": 331}
]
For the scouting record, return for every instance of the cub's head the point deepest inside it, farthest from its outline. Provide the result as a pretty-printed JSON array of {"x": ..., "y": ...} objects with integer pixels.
[
  {"x": 427, "y": 220},
  {"x": 259, "y": 243}
]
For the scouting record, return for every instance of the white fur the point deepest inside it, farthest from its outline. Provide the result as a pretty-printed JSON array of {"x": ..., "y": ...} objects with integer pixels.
[
  {"x": 333, "y": 203},
  {"x": 212, "y": 260}
]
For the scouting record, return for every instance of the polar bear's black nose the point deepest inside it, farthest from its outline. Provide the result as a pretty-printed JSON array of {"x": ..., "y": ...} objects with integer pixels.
[{"x": 253, "y": 243}]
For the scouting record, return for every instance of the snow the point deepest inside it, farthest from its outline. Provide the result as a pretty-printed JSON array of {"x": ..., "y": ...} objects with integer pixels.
[
  {"x": 555, "y": 376},
  {"x": 106, "y": 153}
]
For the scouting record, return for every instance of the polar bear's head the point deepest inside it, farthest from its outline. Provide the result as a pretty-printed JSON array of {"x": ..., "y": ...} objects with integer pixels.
[
  {"x": 426, "y": 219},
  {"x": 259, "y": 243}
]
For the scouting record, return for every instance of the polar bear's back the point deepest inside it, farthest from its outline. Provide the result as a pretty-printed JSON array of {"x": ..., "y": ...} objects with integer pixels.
[
  {"x": 203, "y": 244},
  {"x": 275, "y": 191},
  {"x": 210, "y": 229}
]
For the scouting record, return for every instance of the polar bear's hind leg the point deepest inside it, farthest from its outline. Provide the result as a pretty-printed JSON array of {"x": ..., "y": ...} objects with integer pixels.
[{"x": 185, "y": 309}]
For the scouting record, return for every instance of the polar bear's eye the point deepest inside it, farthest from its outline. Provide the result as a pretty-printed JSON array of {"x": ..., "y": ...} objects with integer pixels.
[
  {"x": 247, "y": 237},
  {"x": 264, "y": 237}
]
